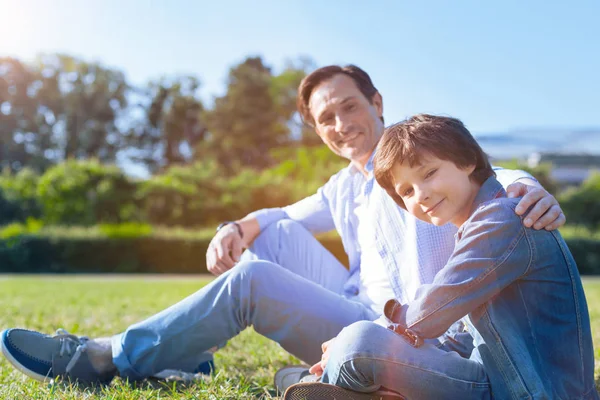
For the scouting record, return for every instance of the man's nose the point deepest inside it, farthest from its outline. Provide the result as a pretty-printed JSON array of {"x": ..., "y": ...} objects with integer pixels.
[{"x": 341, "y": 125}]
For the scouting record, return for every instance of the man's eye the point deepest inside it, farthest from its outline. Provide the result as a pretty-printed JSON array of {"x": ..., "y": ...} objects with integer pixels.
[{"x": 350, "y": 107}]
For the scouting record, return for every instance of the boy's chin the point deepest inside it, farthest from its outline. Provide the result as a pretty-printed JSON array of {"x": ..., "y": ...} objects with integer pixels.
[{"x": 434, "y": 221}]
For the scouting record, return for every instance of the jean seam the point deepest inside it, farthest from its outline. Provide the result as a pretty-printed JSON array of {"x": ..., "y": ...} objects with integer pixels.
[{"x": 433, "y": 372}]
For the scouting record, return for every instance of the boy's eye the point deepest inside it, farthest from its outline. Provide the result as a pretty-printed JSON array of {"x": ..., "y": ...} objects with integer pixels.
[
  {"x": 326, "y": 120},
  {"x": 430, "y": 173},
  {"x": 407, "y": 192}
]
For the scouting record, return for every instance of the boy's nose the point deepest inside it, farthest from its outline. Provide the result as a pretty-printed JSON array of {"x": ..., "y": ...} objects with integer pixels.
[{"x": 422, "y": 195}]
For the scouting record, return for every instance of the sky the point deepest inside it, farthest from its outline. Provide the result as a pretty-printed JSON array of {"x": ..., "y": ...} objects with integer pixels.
[{"x": 498, "y": 66}]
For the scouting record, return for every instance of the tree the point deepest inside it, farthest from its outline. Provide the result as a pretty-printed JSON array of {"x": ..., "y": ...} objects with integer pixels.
[
  {"x": 60, "y": 108},
  {"x": 244, "y": 123},
  {"x": 284, "y": 89},
  {"x": 22, "y": 137},
  {"x": 171, "y": 123}
]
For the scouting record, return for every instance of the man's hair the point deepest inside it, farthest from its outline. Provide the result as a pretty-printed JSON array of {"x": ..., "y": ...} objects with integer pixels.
[
  {"x": 315, "y": 78},
  {"x": 443, "y": 137}
]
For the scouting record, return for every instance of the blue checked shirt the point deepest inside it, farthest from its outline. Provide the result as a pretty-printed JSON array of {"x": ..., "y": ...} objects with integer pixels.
[{"x": 411, "y": 250}]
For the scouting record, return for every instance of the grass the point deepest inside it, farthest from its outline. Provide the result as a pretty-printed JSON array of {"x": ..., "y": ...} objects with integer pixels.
[{"x": 100, "y": 306}]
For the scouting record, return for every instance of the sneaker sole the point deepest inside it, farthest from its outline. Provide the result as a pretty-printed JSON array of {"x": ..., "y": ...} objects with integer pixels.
[
  {"x": 20, "y": 366},
  {"x": 323, "y": 391}
]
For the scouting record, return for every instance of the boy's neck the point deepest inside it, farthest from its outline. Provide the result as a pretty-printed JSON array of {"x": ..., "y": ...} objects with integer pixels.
[{"x": 465, "y": 213}]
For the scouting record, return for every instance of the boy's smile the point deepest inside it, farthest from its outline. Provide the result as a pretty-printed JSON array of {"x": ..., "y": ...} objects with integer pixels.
[{"x": 435, "y": 190}]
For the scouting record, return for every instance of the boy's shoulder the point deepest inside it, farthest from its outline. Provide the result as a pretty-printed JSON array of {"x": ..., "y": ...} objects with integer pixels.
[{"x": 501, "y": 209}]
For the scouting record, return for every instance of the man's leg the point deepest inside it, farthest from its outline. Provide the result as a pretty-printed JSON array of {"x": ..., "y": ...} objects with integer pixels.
[
  {"x": 366, "y": 357},
  {"x": 289, "y": 244},
  {"x": 142, "y": 349},
  {"x": 292, "y": 310}
]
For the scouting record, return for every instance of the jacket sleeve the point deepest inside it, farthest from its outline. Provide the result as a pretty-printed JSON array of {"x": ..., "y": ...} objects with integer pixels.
[{"x": 491, "y": 254}]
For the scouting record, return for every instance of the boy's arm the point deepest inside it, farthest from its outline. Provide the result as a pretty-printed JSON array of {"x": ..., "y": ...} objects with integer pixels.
[{"x": 492, "y": 253}]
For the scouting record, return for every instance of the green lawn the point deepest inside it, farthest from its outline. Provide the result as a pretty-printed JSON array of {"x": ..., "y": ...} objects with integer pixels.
[{"x": 101, "y": 306}]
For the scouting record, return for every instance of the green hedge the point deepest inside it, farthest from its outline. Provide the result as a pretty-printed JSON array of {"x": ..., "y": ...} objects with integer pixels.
[{"x": 159, "y": 254}]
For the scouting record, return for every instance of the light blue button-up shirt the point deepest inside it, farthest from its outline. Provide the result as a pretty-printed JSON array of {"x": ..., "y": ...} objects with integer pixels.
[{"x": 412, "y": 251}]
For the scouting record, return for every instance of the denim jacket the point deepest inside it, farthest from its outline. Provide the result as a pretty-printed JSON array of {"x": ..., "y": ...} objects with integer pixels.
[
  {"x": 412, "y": 251},
  {"x": 521, "y": 297}
]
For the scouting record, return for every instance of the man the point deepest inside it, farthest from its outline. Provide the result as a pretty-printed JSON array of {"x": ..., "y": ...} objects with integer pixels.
[{"x": 286, "y": 285}]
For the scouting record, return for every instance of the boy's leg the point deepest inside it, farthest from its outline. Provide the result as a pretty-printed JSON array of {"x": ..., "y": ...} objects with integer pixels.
[
  {"x": 293, "y": 311},
  {"x": 366, "y": 357}
]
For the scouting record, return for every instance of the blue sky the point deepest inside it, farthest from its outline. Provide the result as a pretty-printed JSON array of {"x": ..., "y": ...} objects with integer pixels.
[{"x": 496, "y": 65}]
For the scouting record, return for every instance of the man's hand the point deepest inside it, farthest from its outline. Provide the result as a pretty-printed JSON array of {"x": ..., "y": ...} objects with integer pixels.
[
  {"x": 319, "y": 367},
  {"x": 546, "y": 212},
  {"x": 224, "y": 250}
]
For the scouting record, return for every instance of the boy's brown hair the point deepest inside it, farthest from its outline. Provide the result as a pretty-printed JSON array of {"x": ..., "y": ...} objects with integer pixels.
[{"x": 443, "y": 137}]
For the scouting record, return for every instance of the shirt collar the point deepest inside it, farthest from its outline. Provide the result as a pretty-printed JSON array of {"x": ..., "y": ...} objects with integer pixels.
[
  {"x": 368, "y": 166},
  {"x": 490, "y": 190}
]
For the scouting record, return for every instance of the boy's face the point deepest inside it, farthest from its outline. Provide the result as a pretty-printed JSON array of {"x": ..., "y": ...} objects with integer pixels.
[{"x": 436, "y": 191}]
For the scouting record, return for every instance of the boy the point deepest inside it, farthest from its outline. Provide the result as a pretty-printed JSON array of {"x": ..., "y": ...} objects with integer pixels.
[{"x": 516, "y": 289}]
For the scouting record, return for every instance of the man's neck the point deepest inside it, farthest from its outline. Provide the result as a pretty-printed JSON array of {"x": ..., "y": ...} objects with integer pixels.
[{"x": 361, "y": 163}]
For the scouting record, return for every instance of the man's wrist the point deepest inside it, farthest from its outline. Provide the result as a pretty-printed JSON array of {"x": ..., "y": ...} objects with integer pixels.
[{"x": 237, "y": 225}]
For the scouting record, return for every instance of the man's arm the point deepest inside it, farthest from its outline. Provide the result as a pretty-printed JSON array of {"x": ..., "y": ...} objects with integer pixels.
[
  {"x": 226, "y": 246},
  {"x": 545, "y": 212},
  {"x": 491, "y": 254}
]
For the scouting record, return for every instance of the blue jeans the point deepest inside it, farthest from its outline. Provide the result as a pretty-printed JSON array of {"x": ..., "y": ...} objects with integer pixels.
[
  {"x": 287, "y": 286},
  {"x": 366, "y": 356}
]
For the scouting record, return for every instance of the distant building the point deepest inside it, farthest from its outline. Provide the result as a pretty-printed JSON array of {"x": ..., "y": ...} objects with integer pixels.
[{"x": 567, "y": 169}]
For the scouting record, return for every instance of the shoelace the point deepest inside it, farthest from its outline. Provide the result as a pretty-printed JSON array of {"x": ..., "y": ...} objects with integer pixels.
[{"x": 68, "y": 342}]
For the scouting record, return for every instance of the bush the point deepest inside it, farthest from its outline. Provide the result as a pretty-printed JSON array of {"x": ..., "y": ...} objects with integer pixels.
[
  {"x": 541, "y": 173},
  {"x": 18, "y": 196},
  {"x": 85, "y": 193},
  {"x": 582, "y": 205},
  {"x": 132, "y": 249}
]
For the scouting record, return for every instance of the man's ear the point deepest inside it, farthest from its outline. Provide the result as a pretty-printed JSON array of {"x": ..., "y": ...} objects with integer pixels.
[{"x": 377, "y": 102}]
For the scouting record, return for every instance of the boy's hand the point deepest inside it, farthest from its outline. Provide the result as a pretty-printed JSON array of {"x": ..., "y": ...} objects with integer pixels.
[
  {"x": 546, "y": 212},
  {"x": 319, "y": 367}
]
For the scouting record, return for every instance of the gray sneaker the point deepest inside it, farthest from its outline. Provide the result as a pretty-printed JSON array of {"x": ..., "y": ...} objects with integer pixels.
[
  {"x": 46, "y": 357},
  {"x": 290, "y": 375}
]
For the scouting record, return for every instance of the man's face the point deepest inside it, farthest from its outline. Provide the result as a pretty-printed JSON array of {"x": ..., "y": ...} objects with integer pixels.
[
  {"x": 435, "y": 191},
  {"x": 345, "y": 120}
]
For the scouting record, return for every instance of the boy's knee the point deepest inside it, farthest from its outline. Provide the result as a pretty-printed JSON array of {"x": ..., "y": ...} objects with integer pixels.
[{"x": 359, "y": 336}]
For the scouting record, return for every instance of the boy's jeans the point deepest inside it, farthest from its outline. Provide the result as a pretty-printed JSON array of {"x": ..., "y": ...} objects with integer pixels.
[
  {"x": 294, "y": 297},
  {"x": 365, "y": 353}
]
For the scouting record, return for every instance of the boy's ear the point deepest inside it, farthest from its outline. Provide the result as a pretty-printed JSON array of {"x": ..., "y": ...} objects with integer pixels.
[{"x": 470, "y": 169}]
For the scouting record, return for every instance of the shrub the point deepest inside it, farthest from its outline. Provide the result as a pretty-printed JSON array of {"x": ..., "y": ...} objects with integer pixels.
[
  {"x": 18, "y": 196},
  {"x": 131, "y": 249},
  {"x": 85, "y": 193},
  {"x": 582, "y": 205}
]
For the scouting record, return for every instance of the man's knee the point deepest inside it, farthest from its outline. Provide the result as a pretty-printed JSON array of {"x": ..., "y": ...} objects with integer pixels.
[
  {"x": 254, "y": 276},
  {"x": 279, "y": 230},
  {"x": 274, "y": 238}
]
